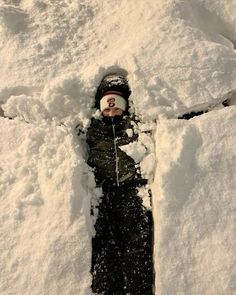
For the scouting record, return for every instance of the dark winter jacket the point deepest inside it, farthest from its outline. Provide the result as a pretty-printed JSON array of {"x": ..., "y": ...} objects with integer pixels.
[{"x": 112, "y": 165}]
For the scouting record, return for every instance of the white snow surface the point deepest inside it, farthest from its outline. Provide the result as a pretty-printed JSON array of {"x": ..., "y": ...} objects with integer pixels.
[
  {"x": 179, "y": 56},
  {"x": 45, "y": 225},
  {"x": 195, "y": 190}
]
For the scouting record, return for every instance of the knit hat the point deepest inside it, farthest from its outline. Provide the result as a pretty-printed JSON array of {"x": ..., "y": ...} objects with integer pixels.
[
  {"x": 115, "y": 84},
  {"x": 113, "y": 99}
]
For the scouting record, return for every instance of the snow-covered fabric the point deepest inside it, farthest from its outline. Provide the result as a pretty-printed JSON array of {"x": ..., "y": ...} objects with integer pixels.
[
  {"x": 112, "y": 82},
  {"x": 111, "y": 164},
  {"x": 122, "y": 248}
]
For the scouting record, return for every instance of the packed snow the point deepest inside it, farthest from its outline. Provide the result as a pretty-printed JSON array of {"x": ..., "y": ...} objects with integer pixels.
[
  {"x": 179, "y": 57},
  {"x": 194, "y": 192}
]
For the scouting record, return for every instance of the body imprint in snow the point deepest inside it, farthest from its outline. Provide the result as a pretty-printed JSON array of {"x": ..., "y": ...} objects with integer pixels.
[{"x": 122, "y": 246}]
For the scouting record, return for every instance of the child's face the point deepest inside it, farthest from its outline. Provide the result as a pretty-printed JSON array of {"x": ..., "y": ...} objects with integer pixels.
[{"x": 112, "y": 111}]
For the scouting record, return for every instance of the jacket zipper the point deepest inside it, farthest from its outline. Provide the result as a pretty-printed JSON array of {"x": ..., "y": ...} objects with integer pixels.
[{"x": 116, "y": 154}]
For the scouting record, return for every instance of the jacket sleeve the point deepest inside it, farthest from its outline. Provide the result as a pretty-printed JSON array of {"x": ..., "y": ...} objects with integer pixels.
[{"x": 100, "y": 157}]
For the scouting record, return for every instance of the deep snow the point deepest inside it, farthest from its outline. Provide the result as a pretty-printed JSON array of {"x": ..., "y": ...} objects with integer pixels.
[
  {"x": 179, "y": 56},
  {"x": 194, "y": 191}
]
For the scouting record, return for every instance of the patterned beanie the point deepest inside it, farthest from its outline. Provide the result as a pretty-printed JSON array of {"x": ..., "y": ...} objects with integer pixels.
[{"x": 116, "y": 85}]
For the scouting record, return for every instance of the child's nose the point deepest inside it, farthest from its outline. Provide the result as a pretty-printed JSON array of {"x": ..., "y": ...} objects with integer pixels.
[{"x": 111, "y": 113}]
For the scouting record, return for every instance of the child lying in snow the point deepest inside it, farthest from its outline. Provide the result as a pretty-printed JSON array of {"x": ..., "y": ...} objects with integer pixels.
[{"x": 122, "y": 247}]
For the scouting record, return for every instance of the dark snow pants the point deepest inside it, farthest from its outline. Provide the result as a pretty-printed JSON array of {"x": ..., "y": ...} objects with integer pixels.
[{"x": 122, "y": 247}]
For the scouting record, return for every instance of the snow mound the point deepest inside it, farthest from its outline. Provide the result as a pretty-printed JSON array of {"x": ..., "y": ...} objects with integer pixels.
[
  {"x": 45, "y": 229},
  {"x": 194, "y": 201},
  {"x": 58, "y": 102},
  {"x": 179, "y": 55}
]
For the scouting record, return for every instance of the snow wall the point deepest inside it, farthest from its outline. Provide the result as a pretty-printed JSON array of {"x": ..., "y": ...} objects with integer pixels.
[{"x": 179, "y": 57}]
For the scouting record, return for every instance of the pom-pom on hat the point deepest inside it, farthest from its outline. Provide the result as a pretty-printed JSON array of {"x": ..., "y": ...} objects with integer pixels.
[{"x": 113, "y": 83}]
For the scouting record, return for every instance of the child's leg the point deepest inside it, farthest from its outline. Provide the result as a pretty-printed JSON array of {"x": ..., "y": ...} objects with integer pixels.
[
  {"x": 106, "y": 257},
  {"x": 136, "y": 229}
]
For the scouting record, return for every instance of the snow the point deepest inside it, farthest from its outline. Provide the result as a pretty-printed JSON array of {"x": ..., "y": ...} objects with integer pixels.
[
  {"x": 135, "y": 150},
  {"x": 179, "y": 57},
  {"x": 195, "y": 186},
  {"x": 45, "y": 224}
]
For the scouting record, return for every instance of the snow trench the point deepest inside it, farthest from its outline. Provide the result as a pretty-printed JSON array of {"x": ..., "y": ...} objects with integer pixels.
[{"x": 179, "y": 57}]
